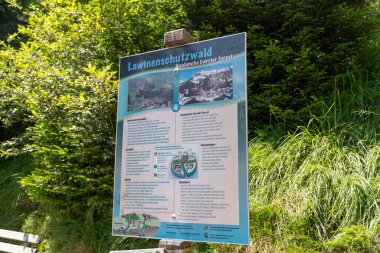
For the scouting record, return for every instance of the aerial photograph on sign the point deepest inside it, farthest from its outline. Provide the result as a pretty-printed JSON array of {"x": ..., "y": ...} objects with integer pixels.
[
  {"x": 206, "y": 84},
  {"x": 150, "y": 91}
]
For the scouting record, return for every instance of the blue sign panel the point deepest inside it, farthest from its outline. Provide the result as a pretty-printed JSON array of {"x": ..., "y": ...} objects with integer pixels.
[{"x": 181, "y": 150}]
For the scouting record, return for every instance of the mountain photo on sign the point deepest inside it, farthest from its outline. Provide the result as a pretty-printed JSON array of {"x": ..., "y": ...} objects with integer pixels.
[
  {"x": 208, "y": 84},
  {"x": 150, "y": 91}
]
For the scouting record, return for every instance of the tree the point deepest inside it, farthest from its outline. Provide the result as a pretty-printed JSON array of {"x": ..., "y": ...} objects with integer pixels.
[
  {"x": 296, "y": 49},
  {"x": 61, "y": 85},
  {"x": 129, "y": 217}
]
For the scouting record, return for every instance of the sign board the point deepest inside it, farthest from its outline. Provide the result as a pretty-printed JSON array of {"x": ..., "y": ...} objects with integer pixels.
[{"x": 181, "y": 149}]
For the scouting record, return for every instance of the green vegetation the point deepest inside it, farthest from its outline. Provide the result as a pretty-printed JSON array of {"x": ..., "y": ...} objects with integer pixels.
[
  {"x": 296, "y": 49},
  {"x": 12, "y": 14},
  {"x": 314, "y": 154},
  {"x": 14, "y": 204}
]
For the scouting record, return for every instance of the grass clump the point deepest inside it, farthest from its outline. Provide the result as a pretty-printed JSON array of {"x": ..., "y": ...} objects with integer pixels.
[
  {"x": 354, "y": 238},
  {"x": 311, "y": 190}
]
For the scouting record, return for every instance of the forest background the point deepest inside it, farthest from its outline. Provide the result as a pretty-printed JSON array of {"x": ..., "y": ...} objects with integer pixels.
[{"x": 314, "y": 116}]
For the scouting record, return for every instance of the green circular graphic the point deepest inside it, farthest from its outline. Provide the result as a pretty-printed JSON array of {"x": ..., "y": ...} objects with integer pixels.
[{"x": 184, "y": 165}]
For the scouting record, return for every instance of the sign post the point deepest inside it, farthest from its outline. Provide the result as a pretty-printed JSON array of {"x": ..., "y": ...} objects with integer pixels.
[
  {"x": 157, "y": 250},
  {"x": 181, "y": 150}
]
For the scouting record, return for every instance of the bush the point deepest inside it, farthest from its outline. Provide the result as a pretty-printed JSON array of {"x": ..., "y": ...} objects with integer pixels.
[{"x": 61, "y": 87}]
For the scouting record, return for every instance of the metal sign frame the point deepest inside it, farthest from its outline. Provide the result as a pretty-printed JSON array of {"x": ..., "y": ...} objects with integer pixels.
[{"x": 181, "y": 166}]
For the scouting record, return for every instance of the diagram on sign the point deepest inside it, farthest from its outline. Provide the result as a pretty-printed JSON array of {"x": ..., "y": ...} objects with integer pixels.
[
  {"x": 183, "y": 165},
  {"x": 176, "y": 162}
]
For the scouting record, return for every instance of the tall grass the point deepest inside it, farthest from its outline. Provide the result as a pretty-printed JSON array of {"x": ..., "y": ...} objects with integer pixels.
[{"x": 319, "y": 187}]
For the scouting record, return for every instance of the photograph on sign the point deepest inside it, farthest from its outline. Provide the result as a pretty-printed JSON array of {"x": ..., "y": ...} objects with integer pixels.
[
  {"x": 201, "y": 85},
  {"x": 150, "y": 92},
  {"x": 181, "y": 149}
]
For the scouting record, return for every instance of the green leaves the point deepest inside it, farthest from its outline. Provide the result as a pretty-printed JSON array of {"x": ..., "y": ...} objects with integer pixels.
[
  {"x": 295, "y": 49},
  {"x": 60, "y": 90}
]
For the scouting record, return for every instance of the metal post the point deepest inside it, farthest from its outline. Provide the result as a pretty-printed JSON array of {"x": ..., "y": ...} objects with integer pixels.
[{"x": 171, "y": 39}]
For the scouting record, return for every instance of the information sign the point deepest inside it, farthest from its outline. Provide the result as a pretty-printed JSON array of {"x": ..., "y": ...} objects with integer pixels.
[{"x": 181, "y": 148}]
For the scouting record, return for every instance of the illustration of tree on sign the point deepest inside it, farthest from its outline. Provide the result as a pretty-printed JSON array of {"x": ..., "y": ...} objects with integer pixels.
[
  {"x": 145, "y": 227},
  {"x": 130, "y": 218}
]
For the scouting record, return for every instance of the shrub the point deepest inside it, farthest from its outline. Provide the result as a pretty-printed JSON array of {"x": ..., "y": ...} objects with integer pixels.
[{"x": 61, "y": 86}]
